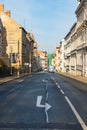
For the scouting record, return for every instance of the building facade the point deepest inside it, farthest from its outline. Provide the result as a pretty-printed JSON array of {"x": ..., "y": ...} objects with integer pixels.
[
  {"x": 18, "y": 45},
  {"x": 81, "y": 38},
  {"x": 42, "y": 60},
  {"x": 62, "y": 56},
  {"x": 14, "y": 39},
  {"x": 75, "y": 46},
  {"x": 0, "y": 38},
  {"x": 56, "y": 59}
]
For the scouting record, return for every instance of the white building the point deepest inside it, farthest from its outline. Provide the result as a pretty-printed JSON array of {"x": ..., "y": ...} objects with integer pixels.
[
  {"x": 81, "y": 38},
  {"x": 75, "y": 47},
  {"x": 62, "y": 55},
  {"x": 72, "y": 49}
]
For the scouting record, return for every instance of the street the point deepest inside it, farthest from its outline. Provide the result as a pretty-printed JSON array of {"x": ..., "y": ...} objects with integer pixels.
[{"x": 43, "y": 101}]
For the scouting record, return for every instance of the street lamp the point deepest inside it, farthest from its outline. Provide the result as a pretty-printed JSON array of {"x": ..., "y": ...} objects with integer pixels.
[
  {"x": 18, "y": 62},
  {"x": 11, "y": 60}
]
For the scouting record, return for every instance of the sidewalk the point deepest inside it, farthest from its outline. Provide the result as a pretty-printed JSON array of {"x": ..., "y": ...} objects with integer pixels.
[
  {"x": 79, "y": 78},
  {"x": 10, "y": 78}
]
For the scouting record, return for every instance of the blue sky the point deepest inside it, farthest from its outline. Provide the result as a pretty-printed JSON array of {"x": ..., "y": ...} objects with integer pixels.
[{"x": 49, "y": 20}]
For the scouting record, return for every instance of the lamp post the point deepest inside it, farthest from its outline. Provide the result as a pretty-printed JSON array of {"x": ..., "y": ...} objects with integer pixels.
[
  {"x": 11, "y": 60},
  {"x": 18, "y": 62}
]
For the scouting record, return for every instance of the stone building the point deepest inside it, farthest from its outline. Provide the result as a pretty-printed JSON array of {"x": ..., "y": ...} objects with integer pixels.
[
  {"x": 42, "y": 60},
  {"x": 76, "y": 42},
  {"x": 70, "y": 51},
  {"x": 56, "y": 59},
  {"x": 33, "y": 53},
  {"x": 62, "y": 56},
  {"x": 81, "y": 38},
  {"x": 1, "y": 38},
  {"x": 15, "y": 42}
]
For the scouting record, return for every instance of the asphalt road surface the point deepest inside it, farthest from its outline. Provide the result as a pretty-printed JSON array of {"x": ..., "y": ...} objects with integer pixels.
[{"x": 43, "y": 101}]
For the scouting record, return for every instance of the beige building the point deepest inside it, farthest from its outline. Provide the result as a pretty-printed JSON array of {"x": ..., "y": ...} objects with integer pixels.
[
  {"x": 35, "y": 57},
  {"x": 1, "y": 34},
  {"x": 42, "y": 60},
  {"x": 33, "y": 53},
  {"x": 46, "y": 60},
  {"x": 56, "y": 59},
  {"x": 0, "y": 38},
  {"x": 15, "y": 42}
]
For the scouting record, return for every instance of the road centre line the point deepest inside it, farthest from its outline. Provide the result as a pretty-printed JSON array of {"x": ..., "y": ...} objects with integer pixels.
[
  {"x": 56, "y": 83},
  {"x": 82, "y": 123},
  {"x": 21, "y": 80},
  {"x": 47, "y": 119},
  {"x": 46, "y": 106},
  {"x": 58, "y": 86},
  {"x": 62, "y": 91},
  {"x": 46, "y": 96},
  {"x": 46, "y": 112}
]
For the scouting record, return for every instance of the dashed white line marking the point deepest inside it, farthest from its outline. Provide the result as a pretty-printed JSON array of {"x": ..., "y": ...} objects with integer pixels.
[
  {"x": 82, "y": 123},
  {"x": 53, "y": 78},
  {"x": 62, "y": 91},
  {"x": 58, "y": 86},
  {"x": 20, "y": 80},
  {"x": 56, "y": 83},
  {"x": 47, "y": 96}
]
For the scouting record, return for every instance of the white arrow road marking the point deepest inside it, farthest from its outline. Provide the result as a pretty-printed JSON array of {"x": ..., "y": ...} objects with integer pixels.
[
  {"x": 38, "y": 104},
  {"x": 47, "y": 106}
]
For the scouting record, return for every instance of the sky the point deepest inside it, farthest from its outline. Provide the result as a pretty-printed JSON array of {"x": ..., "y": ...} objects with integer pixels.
[{"x": 48, "y": 20}]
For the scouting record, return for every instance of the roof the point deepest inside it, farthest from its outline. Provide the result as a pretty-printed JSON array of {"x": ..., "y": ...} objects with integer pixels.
[{"x": 5, "y": 17}]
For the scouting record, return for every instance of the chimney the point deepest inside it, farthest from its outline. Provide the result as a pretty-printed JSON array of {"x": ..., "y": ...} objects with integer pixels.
[
  {"x": 8, "y": 13},
  {"x": 1, "y": 8}
]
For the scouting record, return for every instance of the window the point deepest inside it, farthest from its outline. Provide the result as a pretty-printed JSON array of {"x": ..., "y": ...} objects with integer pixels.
[{"x": 13, "y": 57}]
